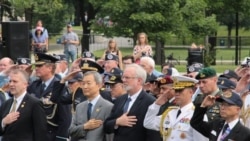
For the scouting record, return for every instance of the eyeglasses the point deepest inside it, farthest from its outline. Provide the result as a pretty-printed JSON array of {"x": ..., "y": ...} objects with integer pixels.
[{"x": 127, "y": 77}]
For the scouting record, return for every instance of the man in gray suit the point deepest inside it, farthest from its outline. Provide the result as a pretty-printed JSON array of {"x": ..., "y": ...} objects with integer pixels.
[{"x": 87, "y": 124}]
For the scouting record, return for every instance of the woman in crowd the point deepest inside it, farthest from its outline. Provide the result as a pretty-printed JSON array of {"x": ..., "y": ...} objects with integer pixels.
[
  {"x": 142, "y": 48},
  {"x": 113, "y": 49},
  {"x": 39, "y": 42}
]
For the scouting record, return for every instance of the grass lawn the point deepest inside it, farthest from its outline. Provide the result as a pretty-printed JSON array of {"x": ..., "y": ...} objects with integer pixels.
[{"x": 181, "y": 53}]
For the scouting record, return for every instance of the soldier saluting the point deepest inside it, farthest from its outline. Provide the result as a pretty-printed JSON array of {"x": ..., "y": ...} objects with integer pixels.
[{"x": 58, "y": 115}]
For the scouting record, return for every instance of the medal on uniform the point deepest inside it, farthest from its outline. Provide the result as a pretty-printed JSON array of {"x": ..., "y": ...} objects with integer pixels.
[{"x": 183, "y": 135}]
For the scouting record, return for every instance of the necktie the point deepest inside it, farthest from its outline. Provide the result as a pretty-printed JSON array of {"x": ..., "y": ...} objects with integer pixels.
[
  {"x": 225, "y": 132},
  {"x": 178, "y": 113},
  {"x": 125, "y": 108},
  {"x": 89, "y": 110},
  {"x": 42, "y": 87},
  {"x": 13, "y": 109}
]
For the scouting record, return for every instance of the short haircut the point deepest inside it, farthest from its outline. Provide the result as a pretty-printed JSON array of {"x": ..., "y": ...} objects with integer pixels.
[
  {"x": 23, "y": 73},
  {"x": 167, "y": 64},
  {"x": 128, "y": 57},
  {"x": 97, "y": 76},
  {"x": 139, "y": 71},
  {"x": 149, "y": 60}
]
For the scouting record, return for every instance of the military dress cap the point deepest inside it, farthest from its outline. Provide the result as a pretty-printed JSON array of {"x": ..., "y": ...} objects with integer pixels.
[
  {"x": 60, "y": 57},
  {"x": 151, "y": 78},
  {"x": 181, "y": 82},
  {"x": 165, "y": 80},
  {"x": 224, "y": 83},
  {"x": 88, "y": 54},
  {"x": 77, "y": 77},
  {"x": 196, "y": 67},
  {"x": 42, "y": 58},
  {"x": 205, "y": 73},
  {"x": 111, "y": 56},
  {"x": 113, "y": 79},
  {"x": 23, "y": 61},
  {"x": 231, "y": 98},
  {"x": 230, "y": 74},
  {"x": 87, "y": 65}
]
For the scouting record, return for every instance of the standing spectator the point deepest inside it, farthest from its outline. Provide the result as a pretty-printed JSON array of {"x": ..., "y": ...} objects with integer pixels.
[
  {"x": 22, "y": 117},
  {"x": 142, "y": 48},
  {"x": 87, "y": 123},
  {"x": 70, "y": 41},
  {"x": 127, "y": 115},
  {"x": 39, "y": 42},
  {"x": 229, "y": 127},
  {"x": 128, "y": 59},
  {"x": 44, "y": 31},
  {"x": 58, "y": 115},
  {"x": 113, "y": 49}
]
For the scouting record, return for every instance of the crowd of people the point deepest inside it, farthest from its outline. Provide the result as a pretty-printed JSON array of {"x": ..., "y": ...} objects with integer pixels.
[{"x": 120, "y": 98}]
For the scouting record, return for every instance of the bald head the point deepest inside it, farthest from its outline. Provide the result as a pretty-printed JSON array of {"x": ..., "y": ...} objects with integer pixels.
[{"x": 5, "y": 63}]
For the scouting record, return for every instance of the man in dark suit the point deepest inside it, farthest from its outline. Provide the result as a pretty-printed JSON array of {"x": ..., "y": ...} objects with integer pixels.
[
  {"x": 127, "y": 115},
  {"x": 58, "y": 114},
  {"x": 227, "y": 128},
  {"x": 22, "y": 117}
]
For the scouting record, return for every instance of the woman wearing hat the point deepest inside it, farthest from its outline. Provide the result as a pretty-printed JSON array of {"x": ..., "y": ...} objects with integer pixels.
[{"x": 39, "y": 42}]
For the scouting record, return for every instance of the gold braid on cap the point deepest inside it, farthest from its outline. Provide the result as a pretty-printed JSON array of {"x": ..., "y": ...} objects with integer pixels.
[
  {"x": 86, "y": 67},
  {"x": 182, "y": 85}
]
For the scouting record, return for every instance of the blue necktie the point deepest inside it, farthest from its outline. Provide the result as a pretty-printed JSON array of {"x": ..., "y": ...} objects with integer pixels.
[
  {"x": 125, "y": 108},
  {"x": 89, "y": 110},
  {"x": 225, "y": 131}
]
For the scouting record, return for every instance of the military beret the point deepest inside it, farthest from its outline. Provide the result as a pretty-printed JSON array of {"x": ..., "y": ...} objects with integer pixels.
[
  {"x": 231, "y": 98},
  {"x": 206, "y": 73},
  {"x": 196, "y": 67},
  {"x": 42, "y": 58},
  {"x": 87, "y": 65},
  {"x": 111, "y": 56},
  {"x": 165, "y": 80},
  {"x": 23, "y": 61},
  {"x": 182, "y": 82}
]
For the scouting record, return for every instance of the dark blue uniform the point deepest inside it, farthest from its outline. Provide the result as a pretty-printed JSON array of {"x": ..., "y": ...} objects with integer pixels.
[{"x": 58, "y": 115}]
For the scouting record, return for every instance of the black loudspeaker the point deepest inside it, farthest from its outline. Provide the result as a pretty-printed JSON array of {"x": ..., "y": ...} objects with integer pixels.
[
  {"x": 15, "y": 40},
  {"x": 195, "y": 56}
]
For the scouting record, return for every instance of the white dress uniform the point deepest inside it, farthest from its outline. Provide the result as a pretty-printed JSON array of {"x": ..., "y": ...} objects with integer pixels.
[
  {"x": 245, "y": 112},
  {"x": 179, "y": 129}
]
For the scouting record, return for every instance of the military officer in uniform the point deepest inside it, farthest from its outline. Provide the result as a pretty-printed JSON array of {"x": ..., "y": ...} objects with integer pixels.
[
  {"x": 229, "y": 127},
  {"x": 23, "y": 63},
  {"x": 174, "y": 123},
  {"x": 58, "y": 115},
  {"x": 208, "y": 86}
]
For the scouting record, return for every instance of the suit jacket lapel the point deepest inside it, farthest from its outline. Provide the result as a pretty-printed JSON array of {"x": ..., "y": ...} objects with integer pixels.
[
  {"x": 233, "y": 132},
  {"x": 137, "y": 103},
  {"x": 97, "y": 108},
  {"x": 23, "y": 102}
]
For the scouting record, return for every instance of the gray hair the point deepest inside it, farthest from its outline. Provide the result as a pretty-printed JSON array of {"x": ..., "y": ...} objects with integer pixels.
[
  {"x": 23, "y": 73},
  {"x": 97, "y": 76},
  {"x": 149, "y": 60},
  {"x": 139, "y": 71}
]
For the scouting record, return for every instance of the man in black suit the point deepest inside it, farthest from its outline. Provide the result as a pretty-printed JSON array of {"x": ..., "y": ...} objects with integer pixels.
[
  {"x": 58, "y": 114},
  {"x": 127, "y": 115},
  {"x": 227, "y": 128},
  {"x": 22, "y": 117}
]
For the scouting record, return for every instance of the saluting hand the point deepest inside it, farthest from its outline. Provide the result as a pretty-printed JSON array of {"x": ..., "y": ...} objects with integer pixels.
[
  {"x": 163, "y": 98},
  {"x": 10, "y": 118},
  {"x": 92, "y": 124},
  {"x": 208, "y": 101},
  {"x": 126, "y": 120}
]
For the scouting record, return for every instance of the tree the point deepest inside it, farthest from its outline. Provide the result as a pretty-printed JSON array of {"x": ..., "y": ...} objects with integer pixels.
[{"x": 158, "y": 18}]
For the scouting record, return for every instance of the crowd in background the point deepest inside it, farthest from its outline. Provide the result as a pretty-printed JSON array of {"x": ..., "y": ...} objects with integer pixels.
[{"x": 119, "y": 98}]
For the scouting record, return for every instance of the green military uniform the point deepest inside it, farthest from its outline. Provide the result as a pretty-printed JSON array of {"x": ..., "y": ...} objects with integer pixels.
[{"x": 213, "y": 112}]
